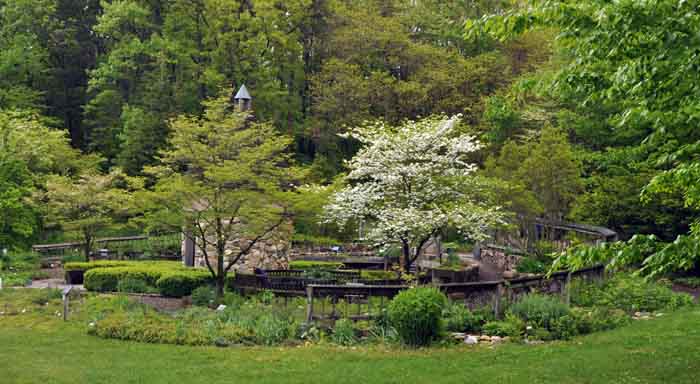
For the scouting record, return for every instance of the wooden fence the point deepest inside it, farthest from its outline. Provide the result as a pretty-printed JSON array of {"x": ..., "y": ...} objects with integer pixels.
[
  {"x": 369, "y": 300},
  {"x": 363, "y": 300}
]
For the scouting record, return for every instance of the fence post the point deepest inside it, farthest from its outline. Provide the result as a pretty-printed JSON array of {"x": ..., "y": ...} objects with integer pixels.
[
  {"x": 566, "y": 289},
  {"x": 309, "y": 303},
  {"x": 369, "y": 303},
  {"x": 66, "y": 298},
  {"x": 497, "y": 303}
]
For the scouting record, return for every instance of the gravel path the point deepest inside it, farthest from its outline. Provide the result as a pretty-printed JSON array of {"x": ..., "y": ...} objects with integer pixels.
[{"x": 53, "y": 283}]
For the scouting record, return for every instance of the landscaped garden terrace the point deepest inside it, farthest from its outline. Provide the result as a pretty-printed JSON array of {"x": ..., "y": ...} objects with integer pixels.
[
  {"x": 163, "y": 302},
  {"x": 640, "y": 333}
]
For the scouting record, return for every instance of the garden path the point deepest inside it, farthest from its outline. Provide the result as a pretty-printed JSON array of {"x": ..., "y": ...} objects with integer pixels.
[{"x": 53, "y": 283}]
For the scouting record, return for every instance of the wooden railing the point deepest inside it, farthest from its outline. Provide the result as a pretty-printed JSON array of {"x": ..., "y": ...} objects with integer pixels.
[{"x": 369, "y": 300}]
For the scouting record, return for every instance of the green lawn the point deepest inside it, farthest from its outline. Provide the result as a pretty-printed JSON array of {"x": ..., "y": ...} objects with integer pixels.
[{"x": 36, "y": 349}]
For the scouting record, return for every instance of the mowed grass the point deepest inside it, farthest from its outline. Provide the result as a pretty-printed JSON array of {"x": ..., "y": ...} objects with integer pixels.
[{"x": 41, "y": 349}]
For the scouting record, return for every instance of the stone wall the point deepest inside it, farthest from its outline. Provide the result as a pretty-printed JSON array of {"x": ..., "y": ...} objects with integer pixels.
[
  {"x": 266, "y": 254},
  {"x": 502, "y": 259},
  {"x": 269, "y": 253}
]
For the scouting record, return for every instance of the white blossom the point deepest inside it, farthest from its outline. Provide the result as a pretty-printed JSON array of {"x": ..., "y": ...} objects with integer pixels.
[{"x": 411, "y": 181}]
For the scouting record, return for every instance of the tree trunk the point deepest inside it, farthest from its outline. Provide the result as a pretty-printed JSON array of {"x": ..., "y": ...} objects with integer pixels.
[
  {"x": 88, "y": 246},
  {"x": 406, "y": 261},
  {"x": 220, "y": 273},
  {"x": 220, "y": 282}
]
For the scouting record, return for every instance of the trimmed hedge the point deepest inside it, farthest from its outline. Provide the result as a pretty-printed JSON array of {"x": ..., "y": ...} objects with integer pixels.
[
  {"x": 86, "y": 266},
  {"x": 170, "y": 278},
  {"x": 182, "y": 283}
]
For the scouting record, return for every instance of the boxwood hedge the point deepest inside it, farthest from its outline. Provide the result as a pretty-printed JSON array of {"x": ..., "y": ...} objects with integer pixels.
[
  {"x": 170, "y": 278},
  {"x": 86, "y": 266}
]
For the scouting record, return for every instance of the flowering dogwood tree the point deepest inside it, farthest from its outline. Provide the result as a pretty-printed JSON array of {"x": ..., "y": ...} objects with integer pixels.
[{"x": 410, "y": 182}]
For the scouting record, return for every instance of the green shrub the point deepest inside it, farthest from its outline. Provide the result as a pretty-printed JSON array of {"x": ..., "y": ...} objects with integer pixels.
[
  {"x": 318, "y": 273},
  {"x": 416, "y": 315},
  {"x": 692, "y": 282},
  {"x": 232, "y": 300},
  {"x": 20, "y": 268},
  {"x": 72, "y": 257},
  {"x": 511, "y": 327},
  {"x": 304, "y": 265},
  {"x": 43, "y": 296},
  {"x": 5, "y": 261},
  {"x": 270, "y": 329},
  {"x": 539, "y": 310},
  {"x": 460, "y": 319},
  {"x": 15, "y": 279},
  {"x": 203, "y": 296},
  {"x": 133, "y": 285},
  {"x": 181, "y": 283},
  {"x": 344, "y": 333},
  {"x": 19, "y": 261},
  {"x": 544, "y": 250},
  {"x": 564, "y": 328},
  {"x": 367, "y": 274},
  {"x": 598, "y": 319},
  {"x": 452, "y": 260},
  {"x": 628, "y": 293},
  {"x": 540, "y": 334},
  {"x": 528, "y": 265}
]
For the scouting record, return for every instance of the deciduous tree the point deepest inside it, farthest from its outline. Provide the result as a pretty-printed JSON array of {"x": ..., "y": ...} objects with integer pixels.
[
  {"x": 223, "y": 180},
  {"x": 91, "y": 203}
]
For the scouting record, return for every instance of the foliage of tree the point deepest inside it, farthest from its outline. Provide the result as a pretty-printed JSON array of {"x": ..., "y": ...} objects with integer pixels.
[
  {"x": 113, "y": 72},
  {"x": 162, "y": 60},
  {"x": 24, "y": 39},
  {"x": 411, "y": 182},
  {"x": 224, "y": 179},
  {"x": 18, "y": 219},
  {"x": 90, "y": 204},
  {"x": 30, "y": 153},
  {"x": 540, "y": 178},
  {"x": 627, "y": 79}
]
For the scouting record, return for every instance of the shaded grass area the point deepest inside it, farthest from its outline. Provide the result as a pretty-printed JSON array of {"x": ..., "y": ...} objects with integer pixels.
[{"x": 37, "y": 347}]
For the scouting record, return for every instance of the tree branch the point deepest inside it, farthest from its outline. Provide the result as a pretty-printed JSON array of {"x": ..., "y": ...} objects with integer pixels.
[
  {"x": 250, "y": 245},
  {"x": 421, "y": 244},
  {"x": 203, "y": 247}
]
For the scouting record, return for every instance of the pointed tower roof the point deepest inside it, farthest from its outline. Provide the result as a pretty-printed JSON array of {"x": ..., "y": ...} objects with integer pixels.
[{"x": 242, "y": 94}]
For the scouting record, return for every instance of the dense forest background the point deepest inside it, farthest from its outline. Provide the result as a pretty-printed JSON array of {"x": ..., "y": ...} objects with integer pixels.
[{"x": 561, "y": 132}]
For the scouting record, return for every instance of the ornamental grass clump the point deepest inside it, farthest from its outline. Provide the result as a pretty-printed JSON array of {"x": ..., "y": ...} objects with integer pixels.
[
  {"x": 539, "y": 310},
  {"x": 344, "y": 333},
  {"x": 416, "y": 314},
  {"x": 458, "y": 318},
  {"x": 203, "y": 296}
]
